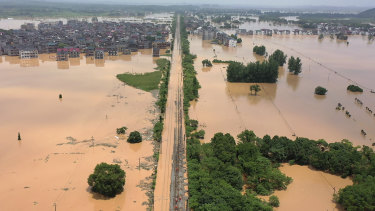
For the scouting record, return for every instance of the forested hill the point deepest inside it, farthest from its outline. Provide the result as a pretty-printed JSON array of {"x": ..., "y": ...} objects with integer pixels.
[{"x": 367, "y": 14}]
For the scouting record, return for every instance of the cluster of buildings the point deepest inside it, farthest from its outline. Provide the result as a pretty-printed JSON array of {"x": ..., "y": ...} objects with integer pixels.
[
  {"x": 208, "y": 32},
  {"x": 95, "y": 39},
  {"x": 217, "y": 37}
]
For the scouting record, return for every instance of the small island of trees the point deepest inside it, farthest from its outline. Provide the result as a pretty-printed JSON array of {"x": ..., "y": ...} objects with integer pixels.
[
  {"x": 260, "y": 50},
  {"x": 254, "y": 72},
  {"x": 107, "y": 179},
  {"x": 121, "y": 130},
  {"x": 320, "y": 90},
  {"x": 135, "y": 137},
  {"x": 206, "y": 63},
  {"x": 354, "y": 88}
]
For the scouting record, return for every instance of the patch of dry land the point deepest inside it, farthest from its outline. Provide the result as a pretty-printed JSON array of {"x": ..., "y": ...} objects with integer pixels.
[{"x": 63, "y": 140}]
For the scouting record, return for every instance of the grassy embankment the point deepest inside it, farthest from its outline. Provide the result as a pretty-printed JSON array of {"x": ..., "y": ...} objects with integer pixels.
[{"x": 145, "y": 82}]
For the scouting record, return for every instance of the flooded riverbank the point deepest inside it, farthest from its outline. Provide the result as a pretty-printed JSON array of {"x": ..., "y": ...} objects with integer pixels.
[{"x": 63, "y": 140}]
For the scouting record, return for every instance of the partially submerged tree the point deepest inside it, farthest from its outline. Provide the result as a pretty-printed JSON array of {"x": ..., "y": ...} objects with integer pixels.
[
  {"x": 294, "y": 65},
  {"x": 320, "y": 90},
  {"x": 135, "y": 137},
  {"x": 206, "y": 63},
  {"x": 279, "y": 57},
  {"x": 121, "y": 130},
  {"x": 354, "y": 88},
  {"x": 255, "y": 88},
  {"x": 260, "y": 50},
  {"x": 107, "y": 179}
]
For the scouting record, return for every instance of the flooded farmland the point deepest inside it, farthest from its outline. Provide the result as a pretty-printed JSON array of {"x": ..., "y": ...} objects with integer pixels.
[
  {"x": 289, "y": 107},
  {"x": 63, "y": 140}
]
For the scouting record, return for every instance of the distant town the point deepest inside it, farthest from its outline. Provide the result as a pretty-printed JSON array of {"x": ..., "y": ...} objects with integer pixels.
[{"x": 94, "y": 39}]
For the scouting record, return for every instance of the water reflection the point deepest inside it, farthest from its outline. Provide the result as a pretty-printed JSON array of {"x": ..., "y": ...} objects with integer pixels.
[
  {"x": 141, "y": 58},
  {"x": 292, "y": 80},
  {"x": 63, "y": 65},
  {"x": 29, "y": 62}
]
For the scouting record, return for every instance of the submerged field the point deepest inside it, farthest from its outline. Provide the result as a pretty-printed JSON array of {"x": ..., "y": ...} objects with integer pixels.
[
  {"x": 289, "y": 107},
  {"x": 63, "y": 140}
]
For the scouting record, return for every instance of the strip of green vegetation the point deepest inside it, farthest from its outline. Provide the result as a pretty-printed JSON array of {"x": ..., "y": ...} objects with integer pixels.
[
  {"x": 146, "y": 81},
  {"x": 191, "y": 84},
  {"x": 221, "y": 61}
]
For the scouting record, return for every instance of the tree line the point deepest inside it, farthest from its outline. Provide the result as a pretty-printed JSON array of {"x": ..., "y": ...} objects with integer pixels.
[
  {"x": 256, "y": 72},
  {"x": 191, "y": 84},
  {"x": 164, "y": 66}
]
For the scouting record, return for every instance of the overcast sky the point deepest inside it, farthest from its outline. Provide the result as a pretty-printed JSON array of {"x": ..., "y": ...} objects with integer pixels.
[{"x": 276, "y": 3}]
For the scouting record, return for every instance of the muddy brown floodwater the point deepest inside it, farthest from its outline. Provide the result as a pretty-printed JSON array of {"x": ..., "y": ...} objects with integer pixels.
[
  {"x": 63, "y": 140},
  {"x": 289, "y": 106}
]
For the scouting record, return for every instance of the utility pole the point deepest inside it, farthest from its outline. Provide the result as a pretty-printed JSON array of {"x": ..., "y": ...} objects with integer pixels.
[{"x": 54, "y": 204}]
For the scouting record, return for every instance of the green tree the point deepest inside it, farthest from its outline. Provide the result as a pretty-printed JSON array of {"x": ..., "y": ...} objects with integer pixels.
[
  {"x": 247, "y": 136},
  {"x": 255, "y": 88},
  {"x": 121, "y": 130},
  {"x": 279, "y": 57},
  {"x": 206, "y": 63},
  {"x": 224, "y": 147},
  {"x": 135, "y": 137},
  {"x": 358, "y": 197},
  {"x": 294, "y": 65},
  {"x": 107, "y": 179},
  {"x": 274, "y": 201},
  {"x": 354, "y": 88},
  {"x": 320, "y": 90},
  {"x": 260, "y": 50}
]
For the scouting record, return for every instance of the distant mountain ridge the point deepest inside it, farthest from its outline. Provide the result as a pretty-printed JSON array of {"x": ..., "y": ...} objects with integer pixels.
[{"x": 367, "y": 14}]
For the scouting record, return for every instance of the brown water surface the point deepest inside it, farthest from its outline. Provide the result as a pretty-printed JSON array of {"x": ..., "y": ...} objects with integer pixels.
[
  {"x": 46, "y": 167},
  {"x": 310, "y": 189}
]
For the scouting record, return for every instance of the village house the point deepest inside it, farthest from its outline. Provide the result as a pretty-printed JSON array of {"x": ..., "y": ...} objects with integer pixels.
[{"x": 28, "y": 53}]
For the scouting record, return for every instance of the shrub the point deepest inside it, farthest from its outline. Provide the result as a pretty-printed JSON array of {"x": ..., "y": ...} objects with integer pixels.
[
  {"x": 274, "y": 201},
  {"x": 260, "y": 50},
  {"x": 200, "y": 134},
  {"x": 320, "y": 90},
  {"x": 107, "y": 179},
  {"x": 354, "y": 88},
  {"x": 135, "y": 137},
  {"x": 121, "y": 130}
]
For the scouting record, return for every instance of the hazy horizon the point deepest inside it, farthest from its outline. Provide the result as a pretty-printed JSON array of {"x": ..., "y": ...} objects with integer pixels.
[{"x": 263, "y": 3}]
